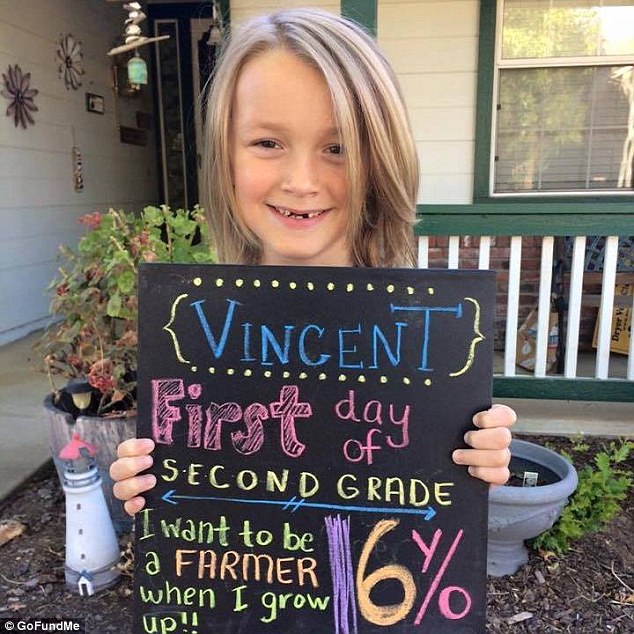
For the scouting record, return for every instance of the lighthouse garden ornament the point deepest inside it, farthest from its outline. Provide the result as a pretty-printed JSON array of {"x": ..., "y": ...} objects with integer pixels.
[
  {"x": 92, "y": 548},
  {"x": 93, "y": 335}
]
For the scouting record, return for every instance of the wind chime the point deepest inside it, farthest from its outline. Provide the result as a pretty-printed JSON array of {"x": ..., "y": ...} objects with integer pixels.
[{"x": 136, "y": 67}]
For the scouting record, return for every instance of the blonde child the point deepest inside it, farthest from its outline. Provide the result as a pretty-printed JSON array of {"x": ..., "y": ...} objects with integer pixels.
[{"x": 310, "y": 161}]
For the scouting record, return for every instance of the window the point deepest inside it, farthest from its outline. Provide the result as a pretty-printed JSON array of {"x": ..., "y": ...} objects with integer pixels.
[{"x": 563, "y": 106}]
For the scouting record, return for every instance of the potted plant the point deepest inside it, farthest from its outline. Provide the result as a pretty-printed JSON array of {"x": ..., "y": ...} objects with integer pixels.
[
  {"x": 92, "y": 340},
  {"x": 531, "y": 502}
]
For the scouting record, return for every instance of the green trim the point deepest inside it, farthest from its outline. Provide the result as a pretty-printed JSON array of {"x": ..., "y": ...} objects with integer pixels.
[
  {"x": 529, "y": 207},
  {"x": 526, "y": 219},
  {"x": 557, "y": 388},
  {"x": 484, "y": 104},
  {"x": 361, "y": 11},
  {"x": 484, "y": 110},
  {"x": 582, "y": 199}
]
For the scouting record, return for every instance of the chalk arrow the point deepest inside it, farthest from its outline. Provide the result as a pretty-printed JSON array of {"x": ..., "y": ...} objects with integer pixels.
[{"x": 294, "y": 503}]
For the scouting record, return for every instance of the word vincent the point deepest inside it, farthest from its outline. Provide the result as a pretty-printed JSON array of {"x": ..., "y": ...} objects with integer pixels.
[{"x": 313, "y": 345}]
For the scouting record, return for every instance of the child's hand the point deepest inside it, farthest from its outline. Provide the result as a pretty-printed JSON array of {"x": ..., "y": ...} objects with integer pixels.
[
  {"x": 490, "y": 456},
  {"x": 133, "y": 458}
]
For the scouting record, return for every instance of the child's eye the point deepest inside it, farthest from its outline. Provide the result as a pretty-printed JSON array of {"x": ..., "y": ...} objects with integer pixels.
[
  {"x": 267, "y": 143},
  {"x": 336, "y": 148}
]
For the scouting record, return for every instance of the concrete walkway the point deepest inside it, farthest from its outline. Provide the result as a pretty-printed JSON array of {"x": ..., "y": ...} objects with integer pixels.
[{"x": 24, "y": 443}]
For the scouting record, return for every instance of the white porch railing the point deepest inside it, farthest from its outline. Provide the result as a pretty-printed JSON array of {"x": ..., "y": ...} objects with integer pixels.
[{"x": 601, "y": 386}]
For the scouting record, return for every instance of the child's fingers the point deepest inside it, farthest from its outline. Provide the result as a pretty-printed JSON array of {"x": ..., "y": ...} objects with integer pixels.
[
  {"x": 131, "y": 487},
  {"x": 492, "y": 475},
  {"x": 486, "y": 458},
  {"x": 492, "y": 438},
  {"x": 128, "y": 467},
  {"x": 498, "y": 416},
  {"x": 135, "y": 447},
  {"x": 133, "y": 506}
]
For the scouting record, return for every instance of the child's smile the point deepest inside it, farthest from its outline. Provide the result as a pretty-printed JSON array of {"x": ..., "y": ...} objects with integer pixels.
[
  {"x": 295, "y": 213},
  {"x": 288, "y": 164}
]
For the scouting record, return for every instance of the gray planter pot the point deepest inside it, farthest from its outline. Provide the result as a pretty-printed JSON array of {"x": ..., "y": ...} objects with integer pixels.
[
  {"x": 105, "y": 434},
  {"x": 518, "y": 513}
]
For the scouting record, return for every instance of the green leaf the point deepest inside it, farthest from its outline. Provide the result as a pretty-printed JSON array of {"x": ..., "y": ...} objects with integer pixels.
[
  {"x": 153, "y": 216},
  {"x": 114, "y": 305},
  {"x": 126, "y": 282}
]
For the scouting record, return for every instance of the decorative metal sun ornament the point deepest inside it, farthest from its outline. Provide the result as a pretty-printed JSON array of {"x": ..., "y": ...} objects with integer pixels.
[
  {"x": 70, "y": 56},
  {"x": 16, "y": 89}
]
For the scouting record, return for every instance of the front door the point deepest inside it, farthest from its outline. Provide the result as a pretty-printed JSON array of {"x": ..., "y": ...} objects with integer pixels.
[{"x": 182, "y": 66}]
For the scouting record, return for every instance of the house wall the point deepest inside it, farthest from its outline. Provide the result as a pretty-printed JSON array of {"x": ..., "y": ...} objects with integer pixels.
[
  {"x": 433, "y": 46},
  {"x": 242, "y": 10},
  {"x": 38, "y": 205}
]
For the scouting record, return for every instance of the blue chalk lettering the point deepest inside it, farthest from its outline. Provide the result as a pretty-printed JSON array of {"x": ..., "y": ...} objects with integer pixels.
[
  {"x": 343, "y": 350},
  {"x": 393, "y": 356},
  {"x": 269, "y": 340},
  {"x": 302, "y": 347},
  {"x": 219, "y": 347},
  {"x": 246, "y": 342},
  {"x": 457, "y": 309}
]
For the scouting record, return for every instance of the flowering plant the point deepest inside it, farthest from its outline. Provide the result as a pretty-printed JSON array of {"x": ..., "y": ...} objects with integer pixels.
[{"x": 95, "y": 298}]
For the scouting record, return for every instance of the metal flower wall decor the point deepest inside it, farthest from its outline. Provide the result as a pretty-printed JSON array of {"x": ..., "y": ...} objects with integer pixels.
[
  {"x": 69, "y": 56},
  {"x": 18, "y": 91}
]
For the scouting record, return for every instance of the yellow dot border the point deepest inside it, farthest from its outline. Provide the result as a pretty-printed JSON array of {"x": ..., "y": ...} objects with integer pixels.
[
  {"x": 303, "y": 375},
  {"x": 389, "y": 288}
]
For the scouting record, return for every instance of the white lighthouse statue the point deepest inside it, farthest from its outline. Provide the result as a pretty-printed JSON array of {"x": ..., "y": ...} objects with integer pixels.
[{"x": 92, "y": 549}]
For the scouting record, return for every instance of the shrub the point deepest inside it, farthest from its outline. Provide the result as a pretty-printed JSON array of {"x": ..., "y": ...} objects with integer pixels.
[
  {"x": 94, "y": 304},
  {"x": 597, "y": 500}
]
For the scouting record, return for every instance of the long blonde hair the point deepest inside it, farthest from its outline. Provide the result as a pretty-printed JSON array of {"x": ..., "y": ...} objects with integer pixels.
[{"x": 381, "y": 156}]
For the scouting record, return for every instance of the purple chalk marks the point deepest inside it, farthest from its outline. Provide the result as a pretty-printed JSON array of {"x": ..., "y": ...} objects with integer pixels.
[{"x": 344, "y": 602}]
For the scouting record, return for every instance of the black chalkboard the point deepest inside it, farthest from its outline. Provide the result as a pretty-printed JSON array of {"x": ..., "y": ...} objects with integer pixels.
[{"x": 304, "y": 420}]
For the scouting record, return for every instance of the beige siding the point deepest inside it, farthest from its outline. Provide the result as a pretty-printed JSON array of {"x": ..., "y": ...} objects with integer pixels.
[
  {"x": 433, "y": 48},
  {"x": 242, "y": 10},
  {"x": 38, "y": 205}
]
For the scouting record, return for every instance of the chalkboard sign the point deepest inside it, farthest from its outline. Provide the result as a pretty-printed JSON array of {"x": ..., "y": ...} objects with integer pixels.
[{"x": 304, "y": 421}]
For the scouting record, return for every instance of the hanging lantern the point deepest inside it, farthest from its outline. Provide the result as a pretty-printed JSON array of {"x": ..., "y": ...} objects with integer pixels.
[{"x": 137, "y": 71}]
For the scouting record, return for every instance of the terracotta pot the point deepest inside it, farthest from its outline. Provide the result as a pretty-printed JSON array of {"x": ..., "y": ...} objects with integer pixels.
[
  {"x": 105, "y": 434},
  {"x": 517, "y": 513}
]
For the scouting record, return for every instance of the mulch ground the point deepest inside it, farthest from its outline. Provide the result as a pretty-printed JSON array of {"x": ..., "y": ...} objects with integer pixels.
[{"x": 588, "y": 590}]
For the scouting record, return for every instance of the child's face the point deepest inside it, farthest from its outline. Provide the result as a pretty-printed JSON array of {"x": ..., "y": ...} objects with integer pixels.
[{"x": 288, "y": 167}]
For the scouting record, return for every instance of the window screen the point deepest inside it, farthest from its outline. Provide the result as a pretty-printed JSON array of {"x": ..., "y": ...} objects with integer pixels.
[{"x": 565, "y": 97}]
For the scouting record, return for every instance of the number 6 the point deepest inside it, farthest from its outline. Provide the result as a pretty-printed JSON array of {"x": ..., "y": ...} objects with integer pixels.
[{"x": 383, "y": 614}]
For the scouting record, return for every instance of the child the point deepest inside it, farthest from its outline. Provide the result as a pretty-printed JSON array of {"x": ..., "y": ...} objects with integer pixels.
[{"x": 310, "y": 161}]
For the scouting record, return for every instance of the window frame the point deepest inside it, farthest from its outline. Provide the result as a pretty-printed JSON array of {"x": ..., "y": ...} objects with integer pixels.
[{"x": 486, "y": 118}]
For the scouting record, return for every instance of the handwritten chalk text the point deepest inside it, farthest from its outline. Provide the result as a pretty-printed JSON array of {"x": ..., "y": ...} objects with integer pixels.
[{"x": 353, "y": 347}]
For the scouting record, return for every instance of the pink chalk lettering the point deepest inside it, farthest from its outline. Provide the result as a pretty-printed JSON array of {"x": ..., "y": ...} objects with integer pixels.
[
  {"x": 367, "y": 412},
  {"x": 252, "y": 440},
  {"x": 216, "y": 415},
  {"x": 287, "y": 409},
  {"x": 404, "y": 424},
  {"x": 195, "y": 425},
  {"x": 349, "y": 404},
  {"x": 443, "y": 602},
  {"x": 427, "y": 550},
  {"x": 194, "y": 390},
  {"x": 361, "y": 451},
  {"x": 164, "y": 391}
]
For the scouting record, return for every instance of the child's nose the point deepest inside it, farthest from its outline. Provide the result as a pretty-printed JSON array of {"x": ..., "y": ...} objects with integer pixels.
[{"x": 302, "y": 175}]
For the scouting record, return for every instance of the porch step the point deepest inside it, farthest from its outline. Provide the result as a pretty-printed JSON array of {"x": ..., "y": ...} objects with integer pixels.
[{"x": 571, "y": 418}]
